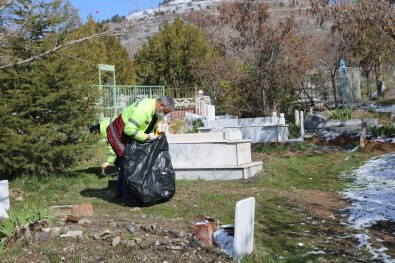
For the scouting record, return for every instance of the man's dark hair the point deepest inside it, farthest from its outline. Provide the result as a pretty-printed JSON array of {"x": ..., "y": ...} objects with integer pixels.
[
  {"x": 168, "y": 102},
  {"x": 95, "y": 129}
]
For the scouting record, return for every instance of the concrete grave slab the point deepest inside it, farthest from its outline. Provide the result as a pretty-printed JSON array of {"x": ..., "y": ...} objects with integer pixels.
[
  {"x": 212, "y": 156},
  {"x": 258, "y": 130}
]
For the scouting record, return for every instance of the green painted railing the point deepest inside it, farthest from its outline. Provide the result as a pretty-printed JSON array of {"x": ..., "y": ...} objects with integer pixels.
[{"x": 112, "y": 99}]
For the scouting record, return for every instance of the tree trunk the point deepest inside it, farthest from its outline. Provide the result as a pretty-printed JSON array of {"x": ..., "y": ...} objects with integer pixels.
[
  {"x": 379, "y": 77},
  {"x": 368, "y": 84}
]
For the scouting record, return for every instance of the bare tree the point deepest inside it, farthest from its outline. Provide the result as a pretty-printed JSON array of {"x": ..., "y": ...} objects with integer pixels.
[
  {"x": 368, "y": 26},
  {"x": 5, "y": 3},
  {"x": 268, "y": 54}
]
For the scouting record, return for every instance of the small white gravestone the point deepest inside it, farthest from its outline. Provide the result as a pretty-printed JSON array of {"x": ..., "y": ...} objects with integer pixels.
[
  {"x": 244, "y": 228},
  {"x": 4, "y": 199},
  {"x": 301, "y": 124},
  {"x": 210, "y": 112}
]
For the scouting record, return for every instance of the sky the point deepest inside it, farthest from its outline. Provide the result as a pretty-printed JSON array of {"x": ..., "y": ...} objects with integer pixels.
[{"x": 106, "y": 9}]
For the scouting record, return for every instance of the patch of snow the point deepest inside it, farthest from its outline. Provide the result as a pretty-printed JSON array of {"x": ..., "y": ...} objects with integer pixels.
[
  {"x": 372, "y": 199},
  {"x": 378, "y": 254},
  {"x": 390, "y": 140},
  {"x": 329, "y": 135},
  {"x": 389, "y": 108},
  {"x": 379, "y": 108}
]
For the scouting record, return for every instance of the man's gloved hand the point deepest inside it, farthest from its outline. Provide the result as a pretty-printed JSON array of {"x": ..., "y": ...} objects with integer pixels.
[
  {"x": 104, "y": 165},
  {"x": 152, "y": 137},
  {"x": 158, "y": 132}
]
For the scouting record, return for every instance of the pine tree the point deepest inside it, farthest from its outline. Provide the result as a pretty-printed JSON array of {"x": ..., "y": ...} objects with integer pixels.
[{"x": 45, "y": 104}]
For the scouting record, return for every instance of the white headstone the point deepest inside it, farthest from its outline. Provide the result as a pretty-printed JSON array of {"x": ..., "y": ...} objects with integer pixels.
[
  {"x": 210, "y": 112},
  {"x": 282, "y": 119},
  {"x": 297, "y": 120},
  {"x": 4, "y": 199},
  {"x": 244, "y": 228}
]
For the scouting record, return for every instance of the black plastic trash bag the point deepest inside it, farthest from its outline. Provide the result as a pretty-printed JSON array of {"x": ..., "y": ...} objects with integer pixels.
[{"x": 148, "y": 171}]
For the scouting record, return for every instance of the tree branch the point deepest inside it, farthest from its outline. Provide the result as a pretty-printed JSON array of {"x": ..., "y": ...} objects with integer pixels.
[
  {"x": 48, "y": 52},
  {"x": 5, "y": 3}
]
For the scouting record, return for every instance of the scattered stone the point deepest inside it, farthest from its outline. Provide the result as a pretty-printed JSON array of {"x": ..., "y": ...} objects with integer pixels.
[
  {"x": 149, "y": 241},
  {"x": 96, "y": 236},
  {"x": 131, "y": 228},
  {"x": 73, "y": 219},
  {"x": 64, "y": 230},
  {"x": 46, "y": 230},
  {"x": 63, "y": 210},
  {"x": 137, "y": 240},
  {"x": 82, "y": 210},
  {"x": 103, "y": 234},
  {"x": 84, "y": 221},
  {"x": 128, "y": 243},
  {"x": 143, "y": 216},
  {"x": 53, "y": 232},
  {"x": 44, "y": 237},
  {"x": 116, "y": 241},
  {"x": 73, "y": 233},
  {"x": 157, "y": 231},
  {"x": 165, "y": 242},
  {"x": 149, "y": 227},
  {"x": 175, "y": 247},
  {"x": 135, "y": 209}
]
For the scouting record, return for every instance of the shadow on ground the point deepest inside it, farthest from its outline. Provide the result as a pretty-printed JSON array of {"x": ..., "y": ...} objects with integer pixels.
[
  {"x": 111, "y": 171},
  {"x": 108, "y": 194}
]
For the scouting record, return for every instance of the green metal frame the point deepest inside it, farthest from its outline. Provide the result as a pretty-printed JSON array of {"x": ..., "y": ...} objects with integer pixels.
[
  {"x": 110, "y": 68},
  {"x": 112, "y": 99}
]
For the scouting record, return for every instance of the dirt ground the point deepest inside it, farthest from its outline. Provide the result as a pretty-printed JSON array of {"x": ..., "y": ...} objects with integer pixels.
[{"x": 350, "y": 142}]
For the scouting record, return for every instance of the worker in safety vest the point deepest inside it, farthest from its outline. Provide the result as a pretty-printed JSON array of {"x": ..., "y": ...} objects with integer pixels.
[
  {"x": 101, "y": 129},
  {"x": 138, "y": 122}
]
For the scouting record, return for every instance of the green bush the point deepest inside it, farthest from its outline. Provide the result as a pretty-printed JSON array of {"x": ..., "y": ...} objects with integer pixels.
[
  {"x": 383, "y": 131},
  {"x": 340, "y": 114},
  {"x": 197, "y": 124},
  {"x": 294, "y": 131},
  {"x": 18, "y": 218}
]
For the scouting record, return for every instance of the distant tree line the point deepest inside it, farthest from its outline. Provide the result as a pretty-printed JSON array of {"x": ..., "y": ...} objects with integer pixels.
[{"x": 115, "y": 19}]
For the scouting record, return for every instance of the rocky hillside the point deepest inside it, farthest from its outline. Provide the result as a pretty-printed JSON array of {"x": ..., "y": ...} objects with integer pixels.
[{"x": 140, "y": 25}]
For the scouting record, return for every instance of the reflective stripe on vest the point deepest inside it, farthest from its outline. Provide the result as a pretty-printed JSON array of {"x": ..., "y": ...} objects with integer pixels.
[
  {"x": 134, "y": 123},
  {"x": 115, "y": 134},
  {"x": 116, "y": 139}
]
